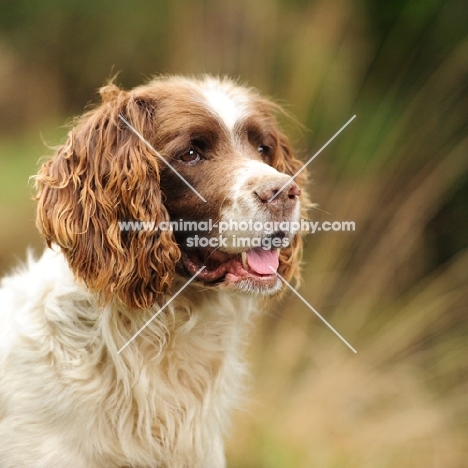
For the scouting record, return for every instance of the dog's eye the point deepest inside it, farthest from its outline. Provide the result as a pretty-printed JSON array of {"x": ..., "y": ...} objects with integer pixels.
[
  {"x": 265, "y": 152},
  {"x": 191, "y": 156}
]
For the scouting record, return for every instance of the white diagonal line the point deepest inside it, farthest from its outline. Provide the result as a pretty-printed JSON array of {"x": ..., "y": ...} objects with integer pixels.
[
  {"x": 161, "y": 309},
  {"x": 157, "y": 153},
  {"x": 312, "y": 158},
  {"x": 313, "y": 310}
]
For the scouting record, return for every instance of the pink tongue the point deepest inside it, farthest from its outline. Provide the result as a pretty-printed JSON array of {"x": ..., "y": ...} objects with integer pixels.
[{"x": 261, "y": 260}]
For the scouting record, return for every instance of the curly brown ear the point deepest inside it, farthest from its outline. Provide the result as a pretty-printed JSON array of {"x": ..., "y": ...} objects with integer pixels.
[
  {"x": 102, "y": 176},
  {"x": 284, "y": 161}
]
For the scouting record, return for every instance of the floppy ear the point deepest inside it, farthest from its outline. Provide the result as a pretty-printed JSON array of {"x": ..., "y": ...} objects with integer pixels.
[
  {"x": 285, "y": 162},
  {"x": 104, "y": 174}
]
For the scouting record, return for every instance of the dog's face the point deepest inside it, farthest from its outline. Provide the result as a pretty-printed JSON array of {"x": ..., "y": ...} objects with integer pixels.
[{"x": 206, "y": 155}]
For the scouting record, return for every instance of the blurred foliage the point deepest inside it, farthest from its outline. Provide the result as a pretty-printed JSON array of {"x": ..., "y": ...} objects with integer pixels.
[{"x": 397, "y": 288}]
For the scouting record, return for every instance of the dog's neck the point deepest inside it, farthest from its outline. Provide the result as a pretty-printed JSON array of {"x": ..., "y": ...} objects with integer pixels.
[{"x": 189, "y": 357}]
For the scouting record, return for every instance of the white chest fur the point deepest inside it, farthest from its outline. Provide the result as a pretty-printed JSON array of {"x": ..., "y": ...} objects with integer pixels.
[{"x": 68, "y": 398}]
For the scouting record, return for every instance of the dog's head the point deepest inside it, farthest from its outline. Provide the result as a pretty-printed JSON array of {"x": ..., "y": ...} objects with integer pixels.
[{"x": 204, "y": 154}]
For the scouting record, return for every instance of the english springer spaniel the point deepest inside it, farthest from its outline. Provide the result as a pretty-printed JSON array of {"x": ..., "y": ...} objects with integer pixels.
[{"x": 122, "y": 346}]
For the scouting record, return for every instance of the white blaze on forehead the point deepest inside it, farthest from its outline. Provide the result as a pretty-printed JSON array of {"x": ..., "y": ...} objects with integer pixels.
[{"x": 228, "y": 102}]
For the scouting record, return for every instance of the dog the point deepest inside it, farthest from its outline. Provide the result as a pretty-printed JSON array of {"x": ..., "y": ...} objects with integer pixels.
[{"x": 122, "y": 347}]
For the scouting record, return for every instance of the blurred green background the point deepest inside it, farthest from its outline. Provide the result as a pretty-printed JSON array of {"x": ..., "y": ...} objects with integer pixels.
[{"x": 397, "y": 288}]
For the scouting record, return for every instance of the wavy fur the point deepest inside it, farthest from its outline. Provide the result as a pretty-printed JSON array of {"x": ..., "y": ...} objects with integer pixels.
[{"x": 68, "y": 396}]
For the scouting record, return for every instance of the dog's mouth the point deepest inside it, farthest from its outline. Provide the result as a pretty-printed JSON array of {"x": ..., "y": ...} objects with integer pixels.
[{"x": 250, "y": 269}]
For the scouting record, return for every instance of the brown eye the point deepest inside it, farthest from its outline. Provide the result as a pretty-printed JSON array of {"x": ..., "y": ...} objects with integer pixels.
[
  {"x": 191, "y": 156},
  {"x": 264, "y": 152}
]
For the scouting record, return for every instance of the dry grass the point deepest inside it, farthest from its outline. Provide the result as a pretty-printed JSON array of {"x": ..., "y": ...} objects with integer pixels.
[{"x": 401, "y": 401}]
